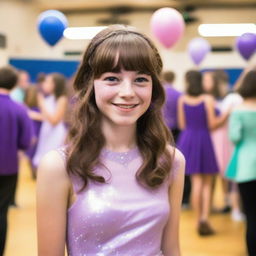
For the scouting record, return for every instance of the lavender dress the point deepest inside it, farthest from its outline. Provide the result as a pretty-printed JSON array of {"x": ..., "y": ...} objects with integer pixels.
[
  {"x": 50, "y": 136},
  {"x": 195, "y": 141},
  {"x": 121, "y": 217}
]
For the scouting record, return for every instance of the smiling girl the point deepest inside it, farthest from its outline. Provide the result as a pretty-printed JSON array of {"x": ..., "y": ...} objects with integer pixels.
[{"x": 118, "y": 183}]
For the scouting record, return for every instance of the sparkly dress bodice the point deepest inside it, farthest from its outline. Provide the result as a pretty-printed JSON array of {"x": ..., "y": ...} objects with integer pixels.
[{"x": 120, "y": 217}]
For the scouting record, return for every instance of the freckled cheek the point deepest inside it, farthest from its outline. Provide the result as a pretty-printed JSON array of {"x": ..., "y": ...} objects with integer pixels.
[
  {"x": 145, "y": 96},
  {"x": 103, "y": 95}
]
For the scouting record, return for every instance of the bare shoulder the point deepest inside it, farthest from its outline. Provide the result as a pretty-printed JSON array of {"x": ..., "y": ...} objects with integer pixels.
[
  {"x": 53, "y": 167},
  {"x": 178, "y": 157},
  {"x": 177, "y": 171},
  {"x": 208, "y": 98},
  {"x": 62, "y": 99}
]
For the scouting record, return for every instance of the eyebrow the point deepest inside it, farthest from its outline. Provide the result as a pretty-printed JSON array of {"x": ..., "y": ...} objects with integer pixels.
[{"x": 137, "y": 72}]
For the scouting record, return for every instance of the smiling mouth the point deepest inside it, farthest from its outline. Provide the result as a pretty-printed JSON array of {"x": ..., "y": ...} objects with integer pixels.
[{"x": 126, "y": 106}]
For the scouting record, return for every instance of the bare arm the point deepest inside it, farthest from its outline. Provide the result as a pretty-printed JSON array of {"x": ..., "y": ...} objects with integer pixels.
[
  {"x": 181, "y": 116},
  {"x": 170, "y": 242},
  {"x": 242, "y": 75},
  {"x": 34, "y": 115},
  {"x": 59, "y": 113},
  {"x": 214, "y": 121},
  {"x": 53, "y": 188}
]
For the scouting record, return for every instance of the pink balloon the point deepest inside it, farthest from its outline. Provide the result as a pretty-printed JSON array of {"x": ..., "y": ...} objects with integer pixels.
[{"x": 167, "y": 25}]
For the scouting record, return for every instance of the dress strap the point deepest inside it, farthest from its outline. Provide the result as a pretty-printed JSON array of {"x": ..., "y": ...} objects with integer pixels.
[
  {"x": 62, "y": 152},
  {"x": 174, "y": 170}
]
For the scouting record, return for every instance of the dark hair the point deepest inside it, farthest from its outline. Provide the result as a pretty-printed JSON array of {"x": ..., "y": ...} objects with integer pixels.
[
  {"x": 221, "y": 76},
  {"x": 168, "y": 76},
  {"x": 85, "y": 139},
  {"x": 59, "y": 84},
  {"x": 248, "y": 86},
  {"x": 8, "y": 77},
  {"x": 194, "y": 83}
]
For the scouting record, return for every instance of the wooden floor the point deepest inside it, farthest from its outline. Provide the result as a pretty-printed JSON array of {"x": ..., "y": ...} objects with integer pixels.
[{"x": 229, "y": 240}]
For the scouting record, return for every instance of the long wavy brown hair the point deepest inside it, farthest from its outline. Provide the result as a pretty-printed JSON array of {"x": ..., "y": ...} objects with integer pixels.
[{"x": 85, "y": 139}]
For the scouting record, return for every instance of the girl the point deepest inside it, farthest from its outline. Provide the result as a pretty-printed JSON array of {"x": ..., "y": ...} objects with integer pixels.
[
  {"x": 118, "y": 184},
  {"x": 53, "y": 108},
  {"x": 242, "y": 166},
  {"x": 196, "y": 116},
  {"x": 34, "y": 113}
]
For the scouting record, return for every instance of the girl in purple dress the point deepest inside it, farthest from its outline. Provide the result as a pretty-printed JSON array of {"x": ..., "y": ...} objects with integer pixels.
[
  {"x": 196, "y": 116},
  {"x": 116, "y": 188}
]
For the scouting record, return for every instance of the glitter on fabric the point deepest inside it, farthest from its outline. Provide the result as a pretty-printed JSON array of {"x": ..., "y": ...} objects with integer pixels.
[{"x": 120, "y": 217}]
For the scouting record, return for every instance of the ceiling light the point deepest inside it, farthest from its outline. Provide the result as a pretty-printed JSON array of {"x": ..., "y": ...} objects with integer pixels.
[
  {"x": 76, "y": 33},
  {"x": 232, "y": 29}
]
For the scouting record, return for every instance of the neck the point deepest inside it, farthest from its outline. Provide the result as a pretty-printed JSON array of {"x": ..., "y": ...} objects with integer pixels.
[
  {"x": 4, "y": 91},
  {"x": 119, "y": 138}
]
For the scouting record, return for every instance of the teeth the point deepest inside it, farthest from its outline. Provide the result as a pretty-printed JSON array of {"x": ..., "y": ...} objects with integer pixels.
[
  {"x": 131, "y": 106},
  {"x": 126, "y": 106}
]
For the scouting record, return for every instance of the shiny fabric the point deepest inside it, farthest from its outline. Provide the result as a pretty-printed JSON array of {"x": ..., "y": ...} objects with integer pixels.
[{"x": 121, "y": 217}]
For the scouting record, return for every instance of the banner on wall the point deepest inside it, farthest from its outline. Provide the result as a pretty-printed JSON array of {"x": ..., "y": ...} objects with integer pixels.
[{"x": 36, "y": 66}]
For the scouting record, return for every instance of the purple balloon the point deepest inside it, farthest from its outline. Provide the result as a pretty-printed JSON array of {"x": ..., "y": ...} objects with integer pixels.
[
  {"x": 246, "y": 45},
  {"x": 198, "y": 48}
]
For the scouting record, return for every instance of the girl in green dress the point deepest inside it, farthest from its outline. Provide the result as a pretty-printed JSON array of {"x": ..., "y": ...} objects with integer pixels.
[{"x": 242, "y": 166}]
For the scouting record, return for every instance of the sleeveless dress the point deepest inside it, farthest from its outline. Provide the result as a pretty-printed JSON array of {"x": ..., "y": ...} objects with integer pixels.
[
  {"x": 221, "y": 142},
  {"x": 242, "y": 132},
  {"x": 195, "y": 141},
  {"x": 50, "y": 136},
  {"x": 121, "y": 217}
]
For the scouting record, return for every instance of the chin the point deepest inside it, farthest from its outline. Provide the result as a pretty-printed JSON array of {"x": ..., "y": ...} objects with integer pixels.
[{"x": 125, "y": 122}]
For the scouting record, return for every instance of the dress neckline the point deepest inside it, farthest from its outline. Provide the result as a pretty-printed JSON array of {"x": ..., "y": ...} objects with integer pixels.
[{"x": 123, "y": 158}]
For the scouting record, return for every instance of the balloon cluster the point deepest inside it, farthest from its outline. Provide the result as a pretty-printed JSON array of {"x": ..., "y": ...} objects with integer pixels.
[
  {"x": 51, "y": 25},
  {"x": 166, "y": 24}
]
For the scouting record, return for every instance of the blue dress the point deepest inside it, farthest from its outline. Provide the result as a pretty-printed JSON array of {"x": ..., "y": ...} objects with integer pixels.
[{"x": 195, "y": 141}]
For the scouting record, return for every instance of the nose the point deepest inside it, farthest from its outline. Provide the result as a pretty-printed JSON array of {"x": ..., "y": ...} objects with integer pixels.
[{"x": 126, "y": 89}]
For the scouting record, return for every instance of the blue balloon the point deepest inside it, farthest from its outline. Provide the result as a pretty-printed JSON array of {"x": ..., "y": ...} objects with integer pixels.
[{"x": 51, "y": 25}]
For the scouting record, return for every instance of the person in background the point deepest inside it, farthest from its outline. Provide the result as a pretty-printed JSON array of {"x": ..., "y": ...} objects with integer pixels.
[
  {"x": 196, "y": 116},
  {"x": 52, "y": 103},
  {"x": 216, "y": 83},
  {"x": 15, "y": 134},
  {"x": 170, "y": 116},
  {"x": 116, "y": 188},
  {"x": 242, "y": 166},
  {"x": 71, "y": 102},
  {"x": 171, "y": 102},
  {"x": 223, "y": 146},
  {"x": 210, "y": 85},
  {"x": 18, "y": 93},
  {"x": 34, "y": 113}
]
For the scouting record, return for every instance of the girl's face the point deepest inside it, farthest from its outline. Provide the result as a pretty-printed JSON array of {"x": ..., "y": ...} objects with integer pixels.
[
  {"x": 48, "y": 85},
  {"x": 123, "y": 97},
  {"x": 208, "y": 82}
]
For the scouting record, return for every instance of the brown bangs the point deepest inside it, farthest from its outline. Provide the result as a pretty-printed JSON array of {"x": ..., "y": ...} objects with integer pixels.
[{"x": 134, "y": 54}]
